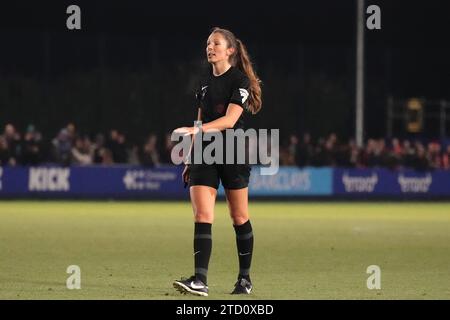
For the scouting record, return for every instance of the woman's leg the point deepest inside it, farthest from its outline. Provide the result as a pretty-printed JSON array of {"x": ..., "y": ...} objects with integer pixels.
[
  {"x": 203, "y": 199},
  {"x": 237, "y": 200}
]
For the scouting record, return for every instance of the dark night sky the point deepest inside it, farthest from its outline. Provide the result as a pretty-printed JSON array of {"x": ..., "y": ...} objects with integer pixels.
[{"x": 408, "y": 57}]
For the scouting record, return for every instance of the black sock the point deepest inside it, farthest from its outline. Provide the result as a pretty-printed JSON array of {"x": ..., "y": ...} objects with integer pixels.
[
  {"x": 244, "y": 242},
  {"x": 202, "y": 249}
]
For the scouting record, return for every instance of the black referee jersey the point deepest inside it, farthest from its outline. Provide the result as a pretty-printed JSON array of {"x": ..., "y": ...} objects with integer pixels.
[{"x": 219, "y": 91}]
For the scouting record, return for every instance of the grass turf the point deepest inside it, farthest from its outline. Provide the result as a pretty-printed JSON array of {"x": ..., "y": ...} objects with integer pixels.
[{"x": 133, "y": 250}]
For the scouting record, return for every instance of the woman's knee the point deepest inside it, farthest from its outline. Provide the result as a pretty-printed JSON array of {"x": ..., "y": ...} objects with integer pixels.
[
  {"x": 239, "y": 217},
  {"x": 203, "y": 216},
  {"x": 203, "y": 200}
]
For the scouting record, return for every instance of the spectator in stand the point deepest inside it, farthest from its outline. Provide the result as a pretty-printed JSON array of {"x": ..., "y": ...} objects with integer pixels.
[
  {"x": 382, "y": 153},
  {"x": 12, "y": 138},
  {"x": 319, "y": 156},
  {"x": 102, "y": 155},
  {"x": 62, "y": 148},
  {"x": 434, "y": 155},
  {"x": 116, "y": 144},
  {"x": 284, "y": 156},
  {"x": 446, "y": 159},
  {"x": 167, "y": 149},
  {"x": 82, "y": 152},
  {"x": 292, "y": 150},
  {"x": 397, "y": 149},
  {"x": 6, "y": 158},
  {"x": 149, "y": 153},
  {"x": 121, "y": 155},
  {"x": 99, "y": 146},
  {"x": 408, "y": 154},
  {"x": 332, "y": 138},
  {"x": 421, "y": 162},
  {"x": 72, "y": 132},
  {"x": 375, "y": 153},
  {"x": 378, "y": 153},
  {"x": 133, "y": 155},
  {"x": 305, "y": 151},
  {"x": 32, "y": 147},
  {"x": 106, "y": 157},
  {"x": 363, "y": 156},
  {"x": 343, "y": 153},
  {"x": 394, "y": 155},
  {"x": 112, "y": 143},
  {"x": 355, "y": 155},
  {"x": 331, "y": 150}
]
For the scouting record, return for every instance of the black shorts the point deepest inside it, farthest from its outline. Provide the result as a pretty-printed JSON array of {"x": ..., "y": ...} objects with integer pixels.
[{"x": 232, "y": 176}]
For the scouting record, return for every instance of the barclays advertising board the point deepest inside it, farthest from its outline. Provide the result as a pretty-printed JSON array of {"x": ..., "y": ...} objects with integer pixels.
[{"x": 290, "y": 181}]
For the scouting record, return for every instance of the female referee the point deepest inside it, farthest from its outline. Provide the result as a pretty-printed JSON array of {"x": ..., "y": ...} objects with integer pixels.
[{"x": 230, "y": 90}]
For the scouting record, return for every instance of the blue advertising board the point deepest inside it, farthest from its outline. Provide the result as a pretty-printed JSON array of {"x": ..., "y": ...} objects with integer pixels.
[
  {"x": 122, "y": 182},
  {"x": 92, "y": 182},
  {"x": 290, "y": 181},
  {"x": 384, "y": 182}
]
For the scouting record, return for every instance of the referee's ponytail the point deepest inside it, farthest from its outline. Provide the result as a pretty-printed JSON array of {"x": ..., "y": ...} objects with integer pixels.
[{"x": 241, "y": 60}]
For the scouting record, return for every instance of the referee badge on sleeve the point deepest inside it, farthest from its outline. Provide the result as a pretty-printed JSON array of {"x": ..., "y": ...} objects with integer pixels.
[{"x": 244, "y": 94}]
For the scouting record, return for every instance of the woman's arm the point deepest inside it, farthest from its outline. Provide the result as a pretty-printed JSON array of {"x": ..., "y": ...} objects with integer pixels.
[{"x": 227, "y": 121}]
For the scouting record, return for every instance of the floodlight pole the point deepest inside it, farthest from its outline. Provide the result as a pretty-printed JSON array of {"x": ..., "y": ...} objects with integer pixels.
[{"x": 360, "y": 73}]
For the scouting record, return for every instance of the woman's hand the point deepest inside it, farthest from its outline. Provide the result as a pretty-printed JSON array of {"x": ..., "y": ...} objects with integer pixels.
[
  {"x": 186, "y": 131},
  {"x": 186, "y": 174}
]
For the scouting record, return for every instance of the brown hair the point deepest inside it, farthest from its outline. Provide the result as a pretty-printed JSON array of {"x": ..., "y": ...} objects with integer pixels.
[{"x": 241, "y": 59}]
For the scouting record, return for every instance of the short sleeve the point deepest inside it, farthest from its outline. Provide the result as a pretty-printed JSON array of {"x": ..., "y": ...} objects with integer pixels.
[
  {"x": 241, "y": 93},
  {"x": 200, "y": 90}
]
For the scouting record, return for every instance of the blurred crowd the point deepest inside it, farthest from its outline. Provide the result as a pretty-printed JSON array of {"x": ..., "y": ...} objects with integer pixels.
[
  {"x": 69, "y": 147},
  {"x": 393, "y": 154}
]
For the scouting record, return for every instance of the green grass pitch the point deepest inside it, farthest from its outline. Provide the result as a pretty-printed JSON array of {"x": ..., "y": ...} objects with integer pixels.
[{"x": 134, "y": 250}]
